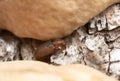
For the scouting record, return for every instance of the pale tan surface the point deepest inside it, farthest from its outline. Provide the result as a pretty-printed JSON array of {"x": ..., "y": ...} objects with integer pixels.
[
  {"x": 39, "y": 71},
  {"x": 46, "y": 19}
]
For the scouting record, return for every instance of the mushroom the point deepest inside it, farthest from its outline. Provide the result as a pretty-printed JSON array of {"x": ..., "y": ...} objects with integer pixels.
[
  {"x": 39, "y": 71},
  {"x": 46, "y": 19}
]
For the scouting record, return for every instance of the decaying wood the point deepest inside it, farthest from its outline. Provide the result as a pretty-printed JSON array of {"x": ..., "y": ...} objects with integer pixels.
[
  {"x": 9, "y": 47},
  {"x": 97, "y": 45}
]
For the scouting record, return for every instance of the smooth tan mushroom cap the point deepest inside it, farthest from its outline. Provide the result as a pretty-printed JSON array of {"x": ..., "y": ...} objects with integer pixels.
[
  {"x": 46, "y": 19},
  {"x": 39, "y": 71}
]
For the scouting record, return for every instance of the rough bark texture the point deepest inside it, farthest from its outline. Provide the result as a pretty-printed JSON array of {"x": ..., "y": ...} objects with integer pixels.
[{"x": 97, "y": 45}]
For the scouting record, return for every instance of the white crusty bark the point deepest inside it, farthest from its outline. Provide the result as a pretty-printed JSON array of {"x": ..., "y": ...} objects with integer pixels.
[{"x": 97, "y": 44}]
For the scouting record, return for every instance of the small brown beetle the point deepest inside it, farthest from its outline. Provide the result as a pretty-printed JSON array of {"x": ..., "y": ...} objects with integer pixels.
[{"x": 49, "y": 47}]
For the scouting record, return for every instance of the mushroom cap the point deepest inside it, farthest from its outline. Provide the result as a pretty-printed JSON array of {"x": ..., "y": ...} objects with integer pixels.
[
  {"x": 39, "y": 71},
  {"x": 45, "y": 19}
]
